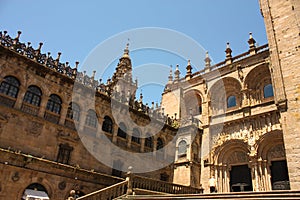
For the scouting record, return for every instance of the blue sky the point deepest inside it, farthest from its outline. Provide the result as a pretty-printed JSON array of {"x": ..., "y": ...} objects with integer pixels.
[{"x": 76, "y": 27}]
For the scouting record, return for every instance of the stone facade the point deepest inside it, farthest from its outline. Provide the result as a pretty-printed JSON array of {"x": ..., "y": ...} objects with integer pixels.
[
  {"x": 50, "y": 138},
  {"x": 237, "y": 120},
  {"x": 282, "y": 20}
]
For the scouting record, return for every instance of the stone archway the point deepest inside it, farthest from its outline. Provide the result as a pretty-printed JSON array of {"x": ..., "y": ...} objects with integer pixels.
[{"x": 228, "y": 160}]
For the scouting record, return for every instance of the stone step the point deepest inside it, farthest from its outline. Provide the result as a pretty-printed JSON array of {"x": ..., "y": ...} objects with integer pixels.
[{"x": 234, "y": 195}]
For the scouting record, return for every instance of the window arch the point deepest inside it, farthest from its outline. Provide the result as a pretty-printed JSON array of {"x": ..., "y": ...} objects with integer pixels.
[
  {"x": 91, "y": 119},
  {"x": 35, "y": 190},
  {"x": 135, "y": 136},
  {"x": 149, "y": 141},
  {"x": 159, "y": 144},
  {"x": 122, "y": 130},
  {"x": 182, "y": 148},
  {"x": 107, "y": 125},
  {"x": 33, "y": 95},
  {"x": 10, "y": 86},
  {"x": 73, "y": 111},
  {"x": 54, "y": 104},
  {"x": 231, "y": 101},
  {"x": 268, "y": 91}
]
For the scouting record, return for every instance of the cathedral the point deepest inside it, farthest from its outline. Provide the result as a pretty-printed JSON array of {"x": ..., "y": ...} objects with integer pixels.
[{"x": 237, "y": 121}]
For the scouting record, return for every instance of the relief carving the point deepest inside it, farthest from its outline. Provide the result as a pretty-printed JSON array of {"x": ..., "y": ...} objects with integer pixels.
[
  {"x": 62, "y": 185},
  {"x": 238, "y": 157},
  {"x": 34, "y": 128},
  {"x": 276, "y": 152}
]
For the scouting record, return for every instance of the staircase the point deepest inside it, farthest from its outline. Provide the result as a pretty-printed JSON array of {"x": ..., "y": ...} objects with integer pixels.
[
  {"x": 142, "y": 188},
  {"x": 139, "y": 185},
  {"x": 286, "y": 194}
]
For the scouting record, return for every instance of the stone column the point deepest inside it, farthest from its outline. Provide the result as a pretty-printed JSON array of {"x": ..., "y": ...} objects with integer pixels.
[
  {"x": 43, "y": 105},
  {"x": 227, "y": 179},
  {"x": 129, "y": 135},
  {"x": 220, "y": 189},
  {"x": 115, "y": 133},
  {"x": 268, "y": 176},
  {"x": 82, "y": 120},
  {"x": 63, "y": 113},
  {"x": 20, "y": 97},
  {"x": 142, "y": 144}
]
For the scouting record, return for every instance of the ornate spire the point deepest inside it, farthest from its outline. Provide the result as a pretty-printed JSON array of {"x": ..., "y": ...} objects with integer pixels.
[
  {"x": 126, "y": 51},
  {"x": 170, "y": 75},
  {"x": 228, "y": 52},
  {"x": 189, "y": 70},
  {"x": 207, "y": 62},
  {"x": 251, "y": 42},
  {"x": 177, "y": 73}
]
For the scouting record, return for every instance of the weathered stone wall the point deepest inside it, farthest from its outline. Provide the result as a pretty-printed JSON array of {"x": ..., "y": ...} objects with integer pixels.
[{"x": 282, "y": 19}]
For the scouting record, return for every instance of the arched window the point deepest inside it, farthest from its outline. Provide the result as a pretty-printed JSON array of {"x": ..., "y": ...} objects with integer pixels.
[
  {"x": 182, "y": 148},
  {"x": 160, "y": 144},
  {"x": 135, "y": 136},
  {"x": 91, "y": 119},
  {"x": 73, "y": 111},
  {"x": 10, "y": 86},
  {"x": 33, "y": 95},
  {"x": 231, "y": 101},
  {"x": 64, "y": 153},
  {"x": 268, "y": 91},
  {"x": 35, "y": 191},
  {"x": 149, "y": 141},
  {"x": 107, "y": 125},
  {"x": 54, "y": 104},
  {"x": 122, "y": 130}
]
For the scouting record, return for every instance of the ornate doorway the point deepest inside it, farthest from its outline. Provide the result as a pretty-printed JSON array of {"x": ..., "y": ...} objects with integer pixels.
[
  {"x": 240, "y": 178},
  {"x": 279, "y": 175}
]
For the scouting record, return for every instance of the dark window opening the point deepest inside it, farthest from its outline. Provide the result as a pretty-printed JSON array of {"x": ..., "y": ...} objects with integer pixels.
[
  {"x": 231, "y": 101},
  {"x": 64, "y": 153},
  {"x": 240, "y": 179},
  {"x": 107, "y": 125},
  {"x": 268, "y": 91},
  {"x": 122, "y": 131},
  {"x": 279, "y": 175},
  {"x": 182, "y": 148},
  {"x": 160, "y": 144},
  {"x": 91, "y": 119},
  {"x": 54, "y": 104},
  {"x": 10, "y": 86},
  {"x": 33, "y": 96}
]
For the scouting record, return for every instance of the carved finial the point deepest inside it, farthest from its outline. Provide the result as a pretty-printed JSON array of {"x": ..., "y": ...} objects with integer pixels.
[
  {"x": 170, "y": 75},
  {"x": 177, "y": 73},
  {"x": 18, "y": 36},
  {"x": 228, "y": 54},
  {"x": 40, "y": 46},
  {"x": 28, "y": 44},
  {"x": 207, "y": 62},
  {"x": 251, "y": 42},
  {"x": 141, "y": 96},
  {"x": 76, "y": 64},
  {"x": 94, "y": 73},
  {"x": 126, "y": 51},
  {"x": 189, "y": 70},
  {"x": 58, "y": 56},
  {"x": 4, "y": 33}
]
